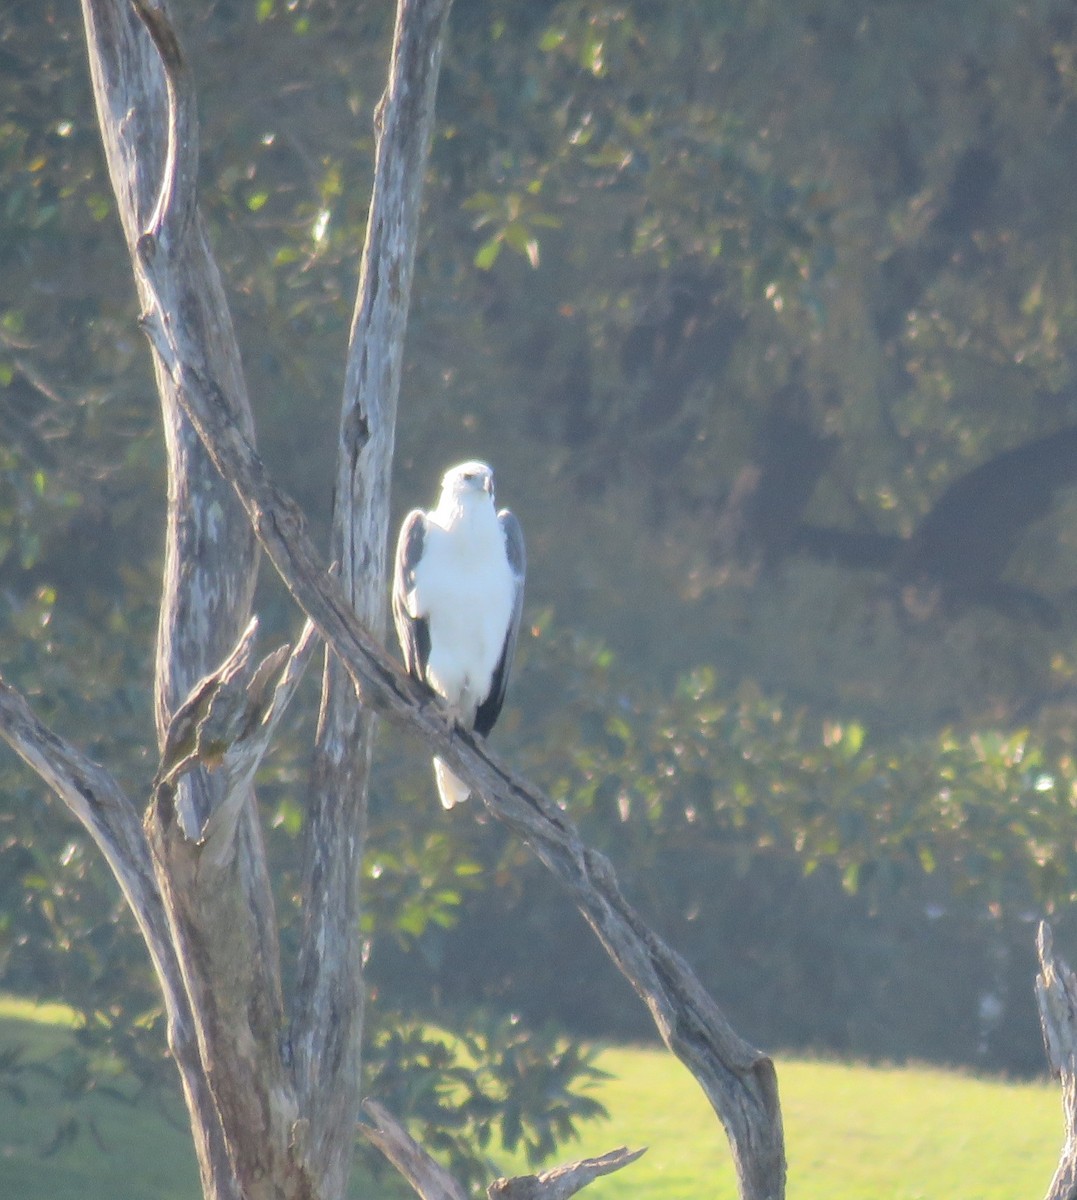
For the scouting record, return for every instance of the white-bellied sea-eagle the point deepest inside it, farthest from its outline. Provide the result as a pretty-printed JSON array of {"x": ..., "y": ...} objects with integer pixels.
[{"x": 458, "y": 587}]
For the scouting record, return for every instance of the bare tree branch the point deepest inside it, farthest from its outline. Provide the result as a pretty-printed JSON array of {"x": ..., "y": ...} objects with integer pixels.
[
  {"x": 425, "y": 1174},
  {"x": 99, "y": 803},
  {"x": 564, "y": 1181},
  {"x": 1056, "y": 997}
]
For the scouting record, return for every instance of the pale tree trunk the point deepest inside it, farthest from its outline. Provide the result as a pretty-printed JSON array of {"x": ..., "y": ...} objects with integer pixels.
[
  {"x": 327, "y": 1023},
  {"x": 274, "y": 1103},
  {"x": 273, "y": 1095},
  {"x": 218, "y": 913}
]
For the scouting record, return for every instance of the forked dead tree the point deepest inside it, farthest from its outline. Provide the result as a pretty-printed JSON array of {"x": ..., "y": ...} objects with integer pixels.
[{"x": 272, "y": 1083}]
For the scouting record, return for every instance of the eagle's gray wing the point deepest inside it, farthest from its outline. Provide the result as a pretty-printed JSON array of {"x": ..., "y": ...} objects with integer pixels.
[
  {"x": 489, "y": 709},
  {"x": 412, "y": 632}
]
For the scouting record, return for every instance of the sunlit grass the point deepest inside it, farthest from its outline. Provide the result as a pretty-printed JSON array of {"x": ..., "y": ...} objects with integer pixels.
[
  {"x": 122, "y": 1150},
  {"x": 15, "y": 1008},
  {"x": 852, "y": 1133}
]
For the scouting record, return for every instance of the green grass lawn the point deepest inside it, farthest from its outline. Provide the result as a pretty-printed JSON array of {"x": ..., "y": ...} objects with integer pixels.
[
  {"x": 141, "y": 1156},
  {"x": 852, "y": 1133}
]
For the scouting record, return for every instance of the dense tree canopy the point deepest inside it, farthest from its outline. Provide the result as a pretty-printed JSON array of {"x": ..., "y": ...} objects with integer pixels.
[{"x": 763, "y": 314}]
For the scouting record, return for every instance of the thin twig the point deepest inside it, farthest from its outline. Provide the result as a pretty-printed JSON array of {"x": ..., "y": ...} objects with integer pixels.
[{"x": 426, "y": 1176}]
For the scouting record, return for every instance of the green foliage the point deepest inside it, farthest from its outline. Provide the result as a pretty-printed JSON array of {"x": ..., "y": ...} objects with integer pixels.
[
  {"x": 515, "y": 219},
  {"x": 497, "y": 1088},
  {"x": 787, "y": 857},
  {"x": 415, "y": 881},
  {"x": 716, "y": 768}
]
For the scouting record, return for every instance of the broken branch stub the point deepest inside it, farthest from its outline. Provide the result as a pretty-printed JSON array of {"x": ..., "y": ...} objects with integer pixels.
[
  {"x": 564, "y": 1181},
  {"x": 431, "y": 1181}
]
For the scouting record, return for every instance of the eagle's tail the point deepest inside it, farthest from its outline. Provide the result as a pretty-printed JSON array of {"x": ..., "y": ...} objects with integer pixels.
[{"x": 451, "y": 789}]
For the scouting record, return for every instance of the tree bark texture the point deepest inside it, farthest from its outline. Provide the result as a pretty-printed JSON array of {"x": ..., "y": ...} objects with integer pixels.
[
  {"x": 327, "y": 1023},
  {"x": 229, "y": 963}
]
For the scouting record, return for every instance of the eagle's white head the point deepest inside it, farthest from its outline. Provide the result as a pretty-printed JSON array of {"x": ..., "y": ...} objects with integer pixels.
[{"x": 466, "y": 481}]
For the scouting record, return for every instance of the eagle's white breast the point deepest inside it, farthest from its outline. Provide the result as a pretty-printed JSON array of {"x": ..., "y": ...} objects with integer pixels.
[{"x": 464, "y": 588}]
